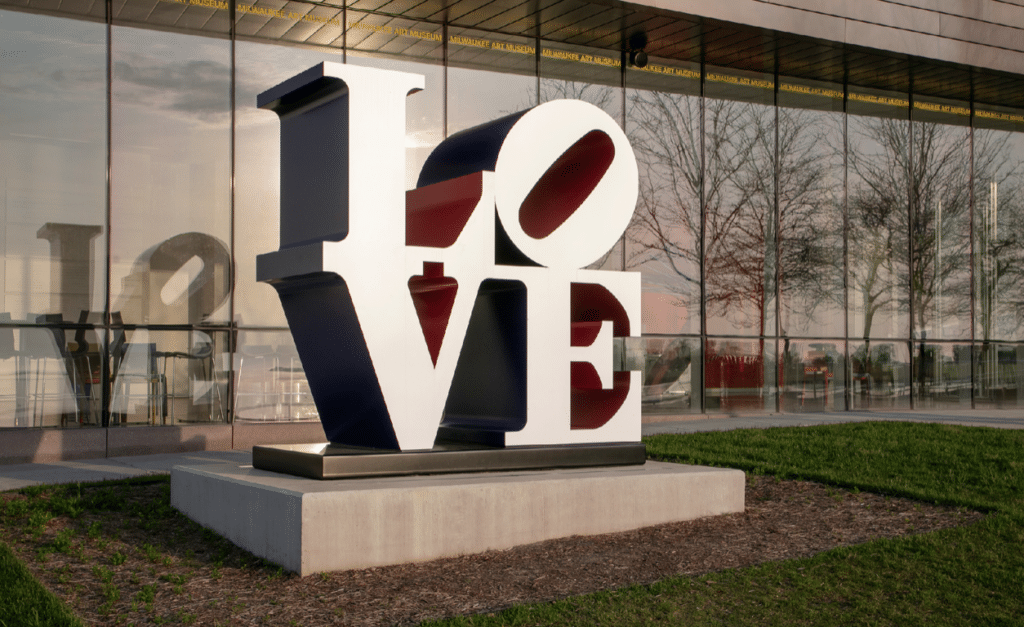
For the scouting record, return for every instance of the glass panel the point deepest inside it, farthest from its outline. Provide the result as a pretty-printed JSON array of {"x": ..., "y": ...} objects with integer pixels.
[
  {"x": 49, "y": 377},
  {"x": 739, "y": 375},
  {"x": 581, "y": 73},
  {"x": 941, "y": 220},
  {"x": 53, "y": 137},
  {"x": 663, "y": 242},
  {"x": 270, "y": 384},
  {"x": 739, "y": 203},
  {"x": 208, "y": 16},
  {"x": 999, "y": 375},
  {"x": 71, "y": 8},
  {"x": 813, "y": 375},
  {"x": 942, "y": 376},
  {"x": 168, "y": 377},
  {"x": 395, "y": 37},
  {"x": 296, "y": 22},
  {"x": 878, "y": 199},
  {"x": 880, "y": 375},
  {"x": 671, "y": 375},
  {"x": 999, "y": 224},
  {"x": 489, "y": 76},
  {"x": 811, "y": 197},
  {"x": 170, "y": 178}
]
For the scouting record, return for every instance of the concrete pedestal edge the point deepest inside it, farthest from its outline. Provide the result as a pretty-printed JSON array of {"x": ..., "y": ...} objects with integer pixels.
[{"x": 310, "y": 526}]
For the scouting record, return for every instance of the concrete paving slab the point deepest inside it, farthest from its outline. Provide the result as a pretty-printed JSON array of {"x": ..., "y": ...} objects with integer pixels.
[
  {"x": 18, "y": 476},
  {"x": 163, "y": 463},
  {"x": 22, "y": 475}
]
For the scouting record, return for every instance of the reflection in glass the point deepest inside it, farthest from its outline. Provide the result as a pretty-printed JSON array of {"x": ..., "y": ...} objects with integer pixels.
[
  {"x": 671, "y": 375},
  {"x": 813, "y": 375},
  {"x": 52, "y": 166},
  {"x": 170, "y": 176},
  {"x": 739, "y": 204},
  {"x": 48, "y": 378},
  {"x": 811, "y": 196},
  {"x": 394, "y": 37},
  {"x": 739, "y": 375},
  {"x": 942, "y": 375},
  {"x": 580, "y": 73},
  {"x": 270, "y": 384},
  {"x": 207, "y": 17},
  {"x": 662, "y": 242},
  {"x": 707, "y": 165},
  {"x": 486, "y": 83},
  {"x": 167, "y": 377},
  {"x": 880, "y": 375},
  {"x": 303, "y": 23},
  {"x": 940, "y": 186},
  {"x": 878, "y": 196},
  {"x": 998, "y": 227},
  {"x": 999, "y": 375}
]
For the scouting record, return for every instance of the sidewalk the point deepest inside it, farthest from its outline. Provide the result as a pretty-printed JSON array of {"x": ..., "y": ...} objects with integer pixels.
[
  {"x": 21, "y": 475},
  {"x": 997, "y": 418}
]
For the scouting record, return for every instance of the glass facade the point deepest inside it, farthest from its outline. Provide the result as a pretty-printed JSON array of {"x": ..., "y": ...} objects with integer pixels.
[{"x": 803, "y": 244}]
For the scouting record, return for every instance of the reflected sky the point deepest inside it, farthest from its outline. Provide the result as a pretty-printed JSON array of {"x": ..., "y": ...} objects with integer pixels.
[
  {"x": 52, "y": 150},
  {"x": 171, "y": 147}
]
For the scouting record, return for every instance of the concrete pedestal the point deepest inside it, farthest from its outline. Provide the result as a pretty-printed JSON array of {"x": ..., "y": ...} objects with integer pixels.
[{"x": 310, "y": 526}]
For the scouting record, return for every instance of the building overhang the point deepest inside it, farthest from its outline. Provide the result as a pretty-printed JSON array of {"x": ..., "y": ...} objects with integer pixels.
[{"x": 750, "y": 35}]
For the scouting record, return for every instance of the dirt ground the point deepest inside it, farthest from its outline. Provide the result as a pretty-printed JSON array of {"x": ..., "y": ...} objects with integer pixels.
[{"x": 118, "y": 570}]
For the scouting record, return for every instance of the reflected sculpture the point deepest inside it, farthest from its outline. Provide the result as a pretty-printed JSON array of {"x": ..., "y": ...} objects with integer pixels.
[
  {"x": 459, "y": 308},
  {"x": 72, "y": 257}
]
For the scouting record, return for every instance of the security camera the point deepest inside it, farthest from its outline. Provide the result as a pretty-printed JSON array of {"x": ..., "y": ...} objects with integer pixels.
[{"x": 636, "y": 44}]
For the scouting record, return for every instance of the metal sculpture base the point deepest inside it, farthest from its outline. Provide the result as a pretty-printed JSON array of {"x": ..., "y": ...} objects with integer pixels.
[{"x": 328, "y": 461}]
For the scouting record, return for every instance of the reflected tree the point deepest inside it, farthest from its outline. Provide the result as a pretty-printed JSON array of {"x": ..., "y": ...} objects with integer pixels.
[
  {"x": 741, "y": 230},
  {"x": 910, "y": 233},
  {"x": 603, "y": 97},
  {"x": 999, "y": 256},
  {"x": 879, "y": 158},
  {"x": 999, "y": 235},
  {"x": 910, "y": 223},
  {"x": 940, "y": 229},
  {"x": 665, "y": 133}
]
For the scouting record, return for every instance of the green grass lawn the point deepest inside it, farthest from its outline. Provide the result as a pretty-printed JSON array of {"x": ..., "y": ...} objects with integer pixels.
[
  {"x": 23, "y": 601},
  {"x": 964, "y": 576}
]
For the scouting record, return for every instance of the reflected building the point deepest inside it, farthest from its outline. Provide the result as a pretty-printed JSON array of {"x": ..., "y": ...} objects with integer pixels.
[{"x": 830, "y": 214}]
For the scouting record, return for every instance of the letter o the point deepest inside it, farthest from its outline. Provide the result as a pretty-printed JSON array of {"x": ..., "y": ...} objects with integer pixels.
[{"x": 565, "y": 183}]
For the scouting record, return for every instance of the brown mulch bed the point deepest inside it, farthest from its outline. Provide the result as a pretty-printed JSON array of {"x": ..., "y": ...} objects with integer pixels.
[{"x": 144, "y": 570}]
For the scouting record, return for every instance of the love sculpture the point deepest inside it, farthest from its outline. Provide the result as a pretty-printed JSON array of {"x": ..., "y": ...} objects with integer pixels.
[{"x": 461, "y": 309}]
